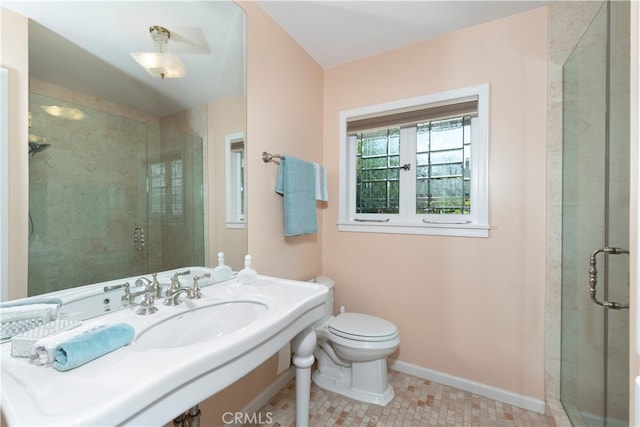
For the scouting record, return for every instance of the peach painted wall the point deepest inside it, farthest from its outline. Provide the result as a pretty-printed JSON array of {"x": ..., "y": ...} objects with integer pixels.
[
  {"x": 226, "y": 116},
  {"x": 284, "y": 116},
  {"x": 468, "y": 307}
]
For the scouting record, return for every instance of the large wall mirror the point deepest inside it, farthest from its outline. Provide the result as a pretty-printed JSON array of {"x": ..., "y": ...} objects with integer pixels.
[{"x": 127, "y": 158}]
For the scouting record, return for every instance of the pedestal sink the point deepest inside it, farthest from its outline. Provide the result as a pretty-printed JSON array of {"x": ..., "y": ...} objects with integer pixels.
[
  {"x": 180, "y": 356},
  {"x": 200, "y": 324}
]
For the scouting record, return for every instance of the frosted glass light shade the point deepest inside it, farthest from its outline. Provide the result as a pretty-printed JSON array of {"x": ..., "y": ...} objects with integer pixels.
[
  {"x": 63, "y": 112},
  {"x": 161, "y": 64}
]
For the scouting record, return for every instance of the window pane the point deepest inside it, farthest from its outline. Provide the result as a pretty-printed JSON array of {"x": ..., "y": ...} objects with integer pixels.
[
  {"x": 442, "y": 167},
  {"x": 176, "y": 187},
  {"x": 241, "y": 173},
  {"x": 441, "y": 196},
  {"x": 446, "y": 134},
  {"x": 446, "y": 170},
  {"x": 377, "y": 161},
  {"x": 158, "y": 189},
  {"x": 446, "y": 156}
]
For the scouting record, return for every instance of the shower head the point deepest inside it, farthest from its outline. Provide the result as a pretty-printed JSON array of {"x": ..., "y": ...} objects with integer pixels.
[{"x": 35, "y": 148}]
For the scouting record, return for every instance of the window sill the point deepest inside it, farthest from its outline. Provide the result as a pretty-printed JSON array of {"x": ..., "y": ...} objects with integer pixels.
[
  {"x": 235, "y": 224},
  {"x": 455, "y": 230}
]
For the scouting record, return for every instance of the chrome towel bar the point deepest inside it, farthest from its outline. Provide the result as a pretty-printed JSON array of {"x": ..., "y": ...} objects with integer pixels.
[{"x": 267, "y": 157}]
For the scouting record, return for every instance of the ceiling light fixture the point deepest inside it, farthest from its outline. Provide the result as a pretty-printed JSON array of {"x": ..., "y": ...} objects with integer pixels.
[
  {"x": 160, "y": 64},
  {"x": 67, "y": 113}
]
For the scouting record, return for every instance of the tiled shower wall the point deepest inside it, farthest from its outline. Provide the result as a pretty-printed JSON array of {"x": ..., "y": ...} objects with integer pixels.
[
  {"x": 567, "y": 24},
  {"x": 88, "y": 190}
]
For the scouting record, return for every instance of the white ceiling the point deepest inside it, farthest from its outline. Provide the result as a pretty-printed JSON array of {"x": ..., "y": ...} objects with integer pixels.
[
  {"x": 86, "y": 45},
  {"x": 337, "y": 32}
]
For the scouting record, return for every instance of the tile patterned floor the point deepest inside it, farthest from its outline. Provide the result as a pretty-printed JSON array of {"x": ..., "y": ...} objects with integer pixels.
[{"x": 417, "y": 402}]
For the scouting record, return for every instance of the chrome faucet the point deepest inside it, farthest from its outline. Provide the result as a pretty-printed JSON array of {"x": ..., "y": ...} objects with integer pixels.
[
  {"x": 152, "y": 286},
  {"x": 175, "y": 285},
  {"x": 152, "y": 289},
  {"x": 174, "y": 291},
  {"x": 143, "y": 281},
  {"x": 172, "y": 298},
  {"x": 195, "y": 287},
  {"x": 127, "y": 297}
]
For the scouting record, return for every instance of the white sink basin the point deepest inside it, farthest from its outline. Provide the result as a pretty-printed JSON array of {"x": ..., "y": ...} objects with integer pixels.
[
  {"x": 201, "y": 324},
  {"x": 180, "y": 356}
]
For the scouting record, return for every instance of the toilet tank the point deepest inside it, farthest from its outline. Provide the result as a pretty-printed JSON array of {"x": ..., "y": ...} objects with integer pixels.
[{"x": 329, "y": 283}]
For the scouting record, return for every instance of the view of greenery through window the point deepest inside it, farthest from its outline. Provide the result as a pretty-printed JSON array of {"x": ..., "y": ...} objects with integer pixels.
[
  {"x": 442, "y": 172},
  {"x": 377, "y": 177}
]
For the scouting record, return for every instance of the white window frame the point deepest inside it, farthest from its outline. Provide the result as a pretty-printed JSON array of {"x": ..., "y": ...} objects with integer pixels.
[
  {"x": 235, "y": 215},
  {"x": 167, "y": 204},
  {"x": 474, "y": 225}
]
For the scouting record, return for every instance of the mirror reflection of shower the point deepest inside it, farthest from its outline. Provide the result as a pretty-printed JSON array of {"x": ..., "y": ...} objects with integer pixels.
[
  {"x": 35, "y": 148},
  {"x": 36, "y": 143}
]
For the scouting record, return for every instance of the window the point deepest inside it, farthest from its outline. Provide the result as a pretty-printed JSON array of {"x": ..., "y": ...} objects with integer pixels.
[
  {"x": 417, "y": 166},
  {"x": 165, "y": 188},
  {"x": 234, "y": 150}
]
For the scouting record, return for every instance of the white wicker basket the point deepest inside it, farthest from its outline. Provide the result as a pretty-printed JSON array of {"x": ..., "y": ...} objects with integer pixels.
[
  {"x": 18, "y": 319},
  {"x": 22, "y": 344}
]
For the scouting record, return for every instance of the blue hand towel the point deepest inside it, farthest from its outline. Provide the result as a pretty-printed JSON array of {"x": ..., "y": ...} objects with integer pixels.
[
  {"x": 87, "y": 347},
  {"x": 297, "y": 183}
]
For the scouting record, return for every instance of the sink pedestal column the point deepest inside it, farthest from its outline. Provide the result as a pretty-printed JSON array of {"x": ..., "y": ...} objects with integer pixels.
[{"x": 304, "y": 345}]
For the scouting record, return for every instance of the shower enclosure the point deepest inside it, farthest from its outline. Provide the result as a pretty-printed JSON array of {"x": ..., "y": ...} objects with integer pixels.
[
  {"x": 113, "y": 195},
  {"x": 595, "y": 223}
]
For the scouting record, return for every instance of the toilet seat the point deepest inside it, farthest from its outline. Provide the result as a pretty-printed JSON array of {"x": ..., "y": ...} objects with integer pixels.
[{"x": 362, "y": 327}]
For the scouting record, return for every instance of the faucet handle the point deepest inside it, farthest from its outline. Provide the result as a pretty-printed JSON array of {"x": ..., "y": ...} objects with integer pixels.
[
  {"x": 146, "y": 305},
  {"x": 195, "y": 289},
  {"x": 127, "y": 297},
  {"x": 114, "y": 287},
  {"x": 154, "y": 286},
  {"x": 175, "y": 285}
]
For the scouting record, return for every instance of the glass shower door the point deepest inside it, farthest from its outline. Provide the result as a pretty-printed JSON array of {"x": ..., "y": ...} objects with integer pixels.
[
  {"x": 111, "y": 196},
  {"x": 87, "y": 192},
  {"x": 595, "y": 223}
]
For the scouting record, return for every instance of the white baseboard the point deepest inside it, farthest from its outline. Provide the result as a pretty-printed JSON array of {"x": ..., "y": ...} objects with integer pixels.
[
  {"x": 480, "y": 389},
  {"x": 515, "y": 399}
]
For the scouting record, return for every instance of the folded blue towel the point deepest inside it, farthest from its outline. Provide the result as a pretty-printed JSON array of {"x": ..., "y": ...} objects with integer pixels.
[
  {"x": 297, "y": 183},
  {"x": 86, "y": 347}
]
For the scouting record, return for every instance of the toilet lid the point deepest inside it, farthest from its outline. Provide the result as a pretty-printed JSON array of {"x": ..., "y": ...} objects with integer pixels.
[{"x": 362, "y": 327}]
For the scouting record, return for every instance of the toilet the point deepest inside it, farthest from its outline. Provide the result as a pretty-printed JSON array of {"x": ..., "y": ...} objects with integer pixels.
[{"x": 352, "y": 353}]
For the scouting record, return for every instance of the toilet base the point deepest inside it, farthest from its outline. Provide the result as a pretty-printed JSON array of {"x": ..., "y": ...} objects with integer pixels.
[{"x": 363, "y": 381}]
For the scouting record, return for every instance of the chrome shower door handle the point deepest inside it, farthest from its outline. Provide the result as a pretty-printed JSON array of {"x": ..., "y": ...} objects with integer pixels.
[
  {"x": 593, "y": 277},
  {"x": 138, "y": 238}
]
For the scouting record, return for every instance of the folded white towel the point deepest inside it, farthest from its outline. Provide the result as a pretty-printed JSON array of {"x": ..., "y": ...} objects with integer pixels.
[
  {"x": 22, "y": 344},
  {"x": 321, "y": 183},
  {"x": 43, "y": 354}
]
